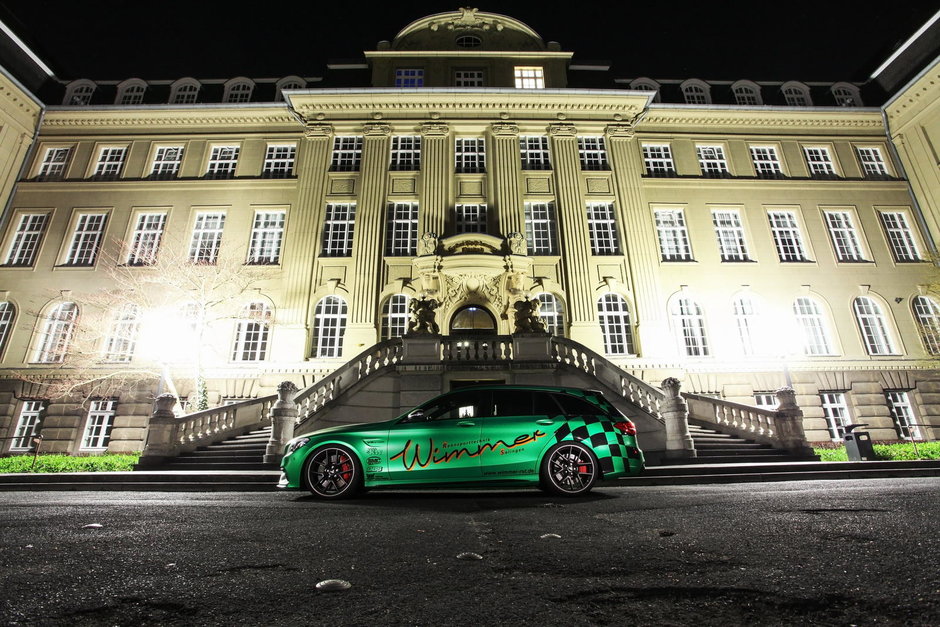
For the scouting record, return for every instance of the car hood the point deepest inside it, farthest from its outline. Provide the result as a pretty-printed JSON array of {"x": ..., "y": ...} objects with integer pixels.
[{"x": 351, "y": 428}]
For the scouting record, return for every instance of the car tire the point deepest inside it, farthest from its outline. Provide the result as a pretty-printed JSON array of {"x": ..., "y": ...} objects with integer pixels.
[
  {"x": 568, "y": 469},
  {"x": 333, "y": 471}
]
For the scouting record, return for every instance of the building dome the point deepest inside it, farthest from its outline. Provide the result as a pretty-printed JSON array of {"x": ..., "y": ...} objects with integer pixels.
[{"x": 468, "y": 29}]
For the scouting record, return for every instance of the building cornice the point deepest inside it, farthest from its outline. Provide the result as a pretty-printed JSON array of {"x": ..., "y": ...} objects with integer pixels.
[
  {"x": 764, "y": 118},
  {"x": 914, "y": 98},
  {"x": 124, "y": 118},
  {"x": 436, "y": 54}
]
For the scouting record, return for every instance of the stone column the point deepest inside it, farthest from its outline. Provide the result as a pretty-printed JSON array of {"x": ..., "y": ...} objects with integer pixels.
[
  {"x": 504, "y": 165},
  {"x": 161, "y": 443},
  {"x": 437, "y": 175},
  {"x": 789, "y": 421},
  {"x": 675, "y": 412},
  {"x": 283, "y": 419}
]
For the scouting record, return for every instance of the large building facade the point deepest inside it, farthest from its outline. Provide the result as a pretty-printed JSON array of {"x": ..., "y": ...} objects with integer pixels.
[{"x": 749, "y": 237}]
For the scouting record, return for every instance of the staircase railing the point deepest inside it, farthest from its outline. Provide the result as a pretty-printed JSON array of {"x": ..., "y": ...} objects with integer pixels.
[{"x": 752, "y": 423}]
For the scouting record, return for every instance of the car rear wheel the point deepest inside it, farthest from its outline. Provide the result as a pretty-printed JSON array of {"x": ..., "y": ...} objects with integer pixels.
[
  {"x": 333, "y": 472},
  {"x": 568, "y": 469}
]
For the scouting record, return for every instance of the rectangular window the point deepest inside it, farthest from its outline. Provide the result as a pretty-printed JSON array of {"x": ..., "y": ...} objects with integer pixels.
[
  {"x": 900, "y": 236},
  {"x": 593, "y": 153},
  {"x": 730, "y": 234},
  {"x": 468, "y": 78},
  {"x": 86, "y": 239},
  {"x": 26, "y": 239},
  {"x": 53, "y": 163},
  {"x": 903, "y": 414},
  {"x": 110, "y": 162},
  {"x": 267, "y": 233},
  {"x": 534, "y": 153},
  {"x": 99, "y": 424},
  {"x": 766, "y": 162},
  {"x": 602, "y": 228},
  {"x": 222, "y": 162},
  {"x": 146, "y": 239},
  {"x": 166, "y": 162},
  {"x": 819, "y": 161},
  {"x": 27, "y": 426},
  {"x": 540, "y": 228},
  {"x": 401, "y": 236},
  {"x": 347, "y": 154},
  {"x": 673, "y": 235},
  {"x": 844, "y": 237},
  {"x": 873, "y": 163},
  {"x": 338, "y": 229},
  {"x": 765, "y": 400},
  {"x": 470, "y": 218},
  {"x": 658, "y": 160},
  {"x": 409, "y": 77},
  {"x": 529, "y": 77},
  {"x": 836, "y": 413},
  {"x": 406, "y": 153},
  {"x": 207, "y": 238},
  {"x": 470, "y": 155},
  {"x": 279, "y": 161},
  {"x": 712, "y": 161},
  {"x": 787, "y": 237}
]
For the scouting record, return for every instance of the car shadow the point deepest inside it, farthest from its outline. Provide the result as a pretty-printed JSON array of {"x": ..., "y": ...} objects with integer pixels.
[{"x": 461, "y": 500}]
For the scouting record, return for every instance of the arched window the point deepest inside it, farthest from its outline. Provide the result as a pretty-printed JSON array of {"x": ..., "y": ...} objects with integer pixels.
[
  {"x": 79, "y": 93},
  {"x": 796, "y": 94},
  {"x": 238, "y": 90},
  {"x": 57, "y": 334},
  {"x": 746, "y": 93},
  {"x": 122, "y": 337},
  {"x": 846, "y": 95},
  {"x": 745, "y": 318},
  {"x": 7, "y": 313},
  {"x": 472, "y": 318},
  {"x": 551, "y": 313},
  {"x": 811, "y": 323},
  {"x": 131, "y": 92},
  {"x": 395, "y": 317},
  {"x": 289, "y": 82},
  {"x": 646, "y": 84},
  {"x": 184, "y": 91},
  {"x": 696, "y": 92},
  {"x": 872, "y": 324},
  {"x": 469, "y": 41},
  {"x": 251, "y": 333},
  {"x": 927, "y": 314},
  {"x": 614, "y": 315},
  {"x": 690, "y": 322},
  {"x": 329, "y": 326}
]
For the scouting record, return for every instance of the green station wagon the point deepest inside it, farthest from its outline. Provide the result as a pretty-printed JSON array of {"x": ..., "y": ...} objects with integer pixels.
[{"x": 560, "y": 439}]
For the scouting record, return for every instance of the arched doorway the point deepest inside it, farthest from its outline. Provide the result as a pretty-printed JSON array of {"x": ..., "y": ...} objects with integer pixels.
[{"x": 472, "y": 319}]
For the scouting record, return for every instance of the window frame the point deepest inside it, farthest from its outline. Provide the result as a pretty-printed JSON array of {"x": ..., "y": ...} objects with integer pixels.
[
  {"x": 478, "y": 78},
  {"x": 534, "y": 153},
  {"x": 712, "y": 160},
  {"x": 87, "y": 228},
  {"x": 401, "y": 233},
  {"x": 602, "y": 228},
  {"x": 813, "y": 327},
  {"x": 408, "y": 77},
  {"x": 846, "y": 238},
  {"x": 835, "y": 408},
  {"x": 540, "y": 232},
  {"x": 613, "y": 315},
  {"x": 926, "y": 313},
  {"x": 148, "y": 229},
  {"x": 339, "y": 224},
  {"x": 794, "y": 240},
  {"x": 51, "y": 169},
  {"x": 279, "y": 161},
  {"x": 731, "y": 238},
  {"x": 767, "y": 168},
  {"x": 551, "y": 313},
  {"x": 470, "y": 155},
  {"x": 267, "y": 237},
  {"x": 222, "y": 161},
  {"x": 679, "y": 232},
  {"x": 405, "y": 155},
  {"x": 110, "y": 162},
  {"x": 470, "y": 218},
  {"x": 528, "y": 76},
  {"x": 123, "y": 333},
  {"x": 874, "y": 166},
  {"x": 592, "y": 153},
  {"x": 874, "y": 327},
  {"x": 347, "y": 153},
  {"x": 689, "y": 320},
  {"x": 658, "y": 165},
  {"x": 28, "y": 423},
  {"x": 330, "y": 327},
  {"x": 252, "y": 333},
  {"x": 58, "y": 330},
  {"x": 396, "y": 316},
  {"x": 818, "y": 167},
  {"x": 24, "y": 242},
  {"x": 202, "y": 234}
]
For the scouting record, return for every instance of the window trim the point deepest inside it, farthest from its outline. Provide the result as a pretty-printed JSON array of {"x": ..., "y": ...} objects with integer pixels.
[
  {"x": 528, "y": 76},
  {"x": 338, "y": 232},
  {"x": 99, "y": 168},
  {"x": 136, "y": 255},
  {"x": 912, "y": 235},
  {"x": 279, "y": 165},
  {"x": 73, "y": 244},
  {"x": 602, "y": 229},
  {"x": 214, "y": 156},
  {"x": 684, "y": 242},
  {"x": 798, "y": 228},
  {"x": 616, "y": 324},
  {"x": 104, "y": 409},
  {"x": 154, "y": 162},
  {"x": 266, "y": 241},
  {"x": 547, "y": 231},
  {"x": 41, "y": 163},
  {"x": 741, "y": 252},
  {"x": 13, "y": 243},
  {"x": 829, "y": 151}
]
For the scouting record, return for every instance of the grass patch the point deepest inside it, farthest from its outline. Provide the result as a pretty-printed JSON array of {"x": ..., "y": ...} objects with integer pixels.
[
  {"x": 901, "y": 451},
  {"x": 52, "y": 462}
]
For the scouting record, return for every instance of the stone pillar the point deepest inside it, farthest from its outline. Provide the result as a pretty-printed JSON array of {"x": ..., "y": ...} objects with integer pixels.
[
  {"x": 675, "y": 413},
  {"x": 161, "y": 443},
  {"x": 437, "y": 174},
  {"x": 283, "y": 419},
  {"x": 532, "y": 347},
  {"x": 789, "y": 421},
  {"x": 504, "y": 165},
  {"x": 421, "y": 349}
]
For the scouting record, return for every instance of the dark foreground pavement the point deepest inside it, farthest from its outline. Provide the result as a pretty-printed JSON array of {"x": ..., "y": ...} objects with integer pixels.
[{"x": 851, "y": 552}]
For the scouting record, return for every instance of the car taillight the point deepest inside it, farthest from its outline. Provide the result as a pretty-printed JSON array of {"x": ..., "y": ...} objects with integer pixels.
[{"x": 625, "y": 427}]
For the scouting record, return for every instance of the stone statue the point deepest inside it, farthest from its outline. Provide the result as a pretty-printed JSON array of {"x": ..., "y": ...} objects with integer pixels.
[
  {"x": 422, "y": 317},
  {"x": 527, "y": 316},
  {"x": 429, "y": 243}
]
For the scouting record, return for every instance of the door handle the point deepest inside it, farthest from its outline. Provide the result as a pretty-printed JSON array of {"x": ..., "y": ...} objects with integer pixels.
[
  {"x": 466, "y": 423},
  {"x": 544, "y": 421}
]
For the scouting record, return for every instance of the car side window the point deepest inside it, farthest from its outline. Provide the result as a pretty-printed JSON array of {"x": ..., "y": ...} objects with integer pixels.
[
  {"x": 545, "y": 405},
  {"x": 458, "y": 406},
  {"x": 574, "y": 406},
  {"x": 512, "y": 403}
]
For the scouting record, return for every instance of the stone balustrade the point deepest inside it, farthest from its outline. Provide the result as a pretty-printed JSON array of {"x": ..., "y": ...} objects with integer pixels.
[{"x": 476, "y": 349}]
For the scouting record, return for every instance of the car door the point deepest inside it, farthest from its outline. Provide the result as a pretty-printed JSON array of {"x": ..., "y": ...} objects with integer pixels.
[
  {"x": 520, "y": 426},
  {"x": 439, "y": 441}
]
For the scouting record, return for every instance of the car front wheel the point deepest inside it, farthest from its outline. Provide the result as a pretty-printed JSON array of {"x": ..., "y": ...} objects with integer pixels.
[
  {"x": 333, "y": 472},
  {"x": 568, "y": 469}
]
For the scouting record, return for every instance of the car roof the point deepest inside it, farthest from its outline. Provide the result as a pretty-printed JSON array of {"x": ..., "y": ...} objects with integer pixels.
[{"x": 516, "y": 386}]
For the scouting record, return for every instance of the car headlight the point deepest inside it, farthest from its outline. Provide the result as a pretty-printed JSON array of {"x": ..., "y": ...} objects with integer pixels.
[{"x": 293, "y": 445}]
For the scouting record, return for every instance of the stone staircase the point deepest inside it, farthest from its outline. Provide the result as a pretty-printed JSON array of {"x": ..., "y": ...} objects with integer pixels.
[
  {"x": 242, "y": 452},
  {"x": 714, "y": 447}
]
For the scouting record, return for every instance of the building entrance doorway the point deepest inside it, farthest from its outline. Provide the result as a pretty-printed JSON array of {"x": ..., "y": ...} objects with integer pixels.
[{"x": 472, "y": 319}]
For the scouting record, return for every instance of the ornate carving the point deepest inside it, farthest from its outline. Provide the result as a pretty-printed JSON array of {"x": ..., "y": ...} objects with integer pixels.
[
  {"x": 624, "y": 131},
  {"x": 671, "y": 386},
  {"x": 422, "y": 317},
  {"x": 376, "y": 128},
  {"x": 317, "y": 129},
  {"x": 516, "y": 243},
  {"x": 527, "y": 316},
  {"x": 466, "y": 19},
  {"x": 429, "y": 243},
  {"x": 435, "y": 129},
  {"x": 505, "y": 129},
  {"x": 562, "y": 130}
]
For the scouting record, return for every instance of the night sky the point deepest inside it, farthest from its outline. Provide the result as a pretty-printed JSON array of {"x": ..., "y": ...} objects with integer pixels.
[{"x": 806, "y": 40}]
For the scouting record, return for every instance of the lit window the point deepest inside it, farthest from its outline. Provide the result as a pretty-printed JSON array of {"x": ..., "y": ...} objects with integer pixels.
[
  {"x": 267, "y": 233},
  {"x": 900, "y": 236},
  {"x": 338, "y": 229},
  {"x": 730, "y": 234},
  {"x": 329, "y": 327},
  {"x": 712, "y": 160},
  {"x": 222, "y": 162},
  {"x": 395, "y": 317},
  {"x": 110, "y": 161},
  {"x": 470, "y": 218},
  {"x": 27, "y": 425},
  {"x": 402, "y": 229},
  {"x": 787, "y": 237},
  {"x": 279, "y": 161},
  {"x": 468, "y": 78},
  {"x": 57, "y": 334},
  {"x": 53, "y": 163},
  {"x": 534, "y": 153},
  {"x": 409, "y": 77},
  {"x": 614, "y": 315},
  {"x": 745, "y": 318},
  {"x": 406, "y": 153},
  {"x": 251, "y": 333},
  {"x": 766, "y": 162},
  {"x": 673, "y": 235},
  {"x": 99, "y": 424},
  {"x": 347, "y": 154},
  {"x": 540, "y": 228},
  {"x": 551, "y": 313},
  {"x": 690, "y": 323},
  {"x": 7, "y": 313},
  {"x": 658, "y": 160},
  {"x": 529, "y": 77},
  {"x": 26, "y": 239},
  {"x": 592, "y": 153},
  {"x": 207, "y": 238},
  {"x": 470, "y": 155},
  {"x": 602, "y": 229},
  {"x": 873, "y": 163},
  {"x": 873, "y": 326},
  {"x": 927, "y": 314},
  {"x": 146, "y": 239},
  {"x": 811, "y": 324},
  {"x": 902, "y": 412},
  {"x": 844, "y": 237},
  {"x": 166, "y": 162},
  {"x": 835, "y": 412},
  {"x": 122, "y": 337},
  {"x": 86, "y": 239}
]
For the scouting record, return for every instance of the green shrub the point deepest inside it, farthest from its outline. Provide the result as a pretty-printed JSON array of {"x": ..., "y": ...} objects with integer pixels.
[
  {"x": 897, "y": 451},
  {"x": 53, "y": 462}
]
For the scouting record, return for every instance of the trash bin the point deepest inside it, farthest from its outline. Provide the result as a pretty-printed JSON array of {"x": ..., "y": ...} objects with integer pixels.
[{"x": 858, "y": 445}]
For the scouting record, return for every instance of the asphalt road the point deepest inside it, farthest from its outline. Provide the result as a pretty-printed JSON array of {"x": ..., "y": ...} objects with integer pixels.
[{"x": 857, "y": 552}]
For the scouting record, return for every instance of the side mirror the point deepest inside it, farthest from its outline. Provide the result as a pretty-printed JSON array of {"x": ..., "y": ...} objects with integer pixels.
[{"x": 417, "y": 415}]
